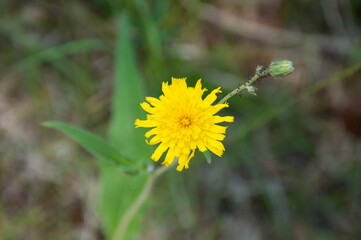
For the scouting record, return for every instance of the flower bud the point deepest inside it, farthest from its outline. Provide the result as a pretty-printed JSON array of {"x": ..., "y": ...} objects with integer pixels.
[{"x": 281, "y": 68}]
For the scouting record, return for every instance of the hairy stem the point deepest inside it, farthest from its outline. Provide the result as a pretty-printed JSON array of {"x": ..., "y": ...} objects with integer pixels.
[{"x": 257, "y": 76}]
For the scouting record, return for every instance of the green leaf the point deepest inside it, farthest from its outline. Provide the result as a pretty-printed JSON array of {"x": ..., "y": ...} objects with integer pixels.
[
  {"x": 95, "y": 145},
  {"x": 128, "y": 94},
  {"x": 208, "y": 156},
  {"x": 119, "y": 190}
]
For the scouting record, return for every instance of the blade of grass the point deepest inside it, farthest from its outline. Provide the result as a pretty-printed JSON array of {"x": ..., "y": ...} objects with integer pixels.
[
  {"x": 150, "y": 28},
  {"x": 152, "y": 38},
  {"x": 60, "y": 51},
  {"x": 78, "y": 75},
  {"x": 32, "y": 81}
]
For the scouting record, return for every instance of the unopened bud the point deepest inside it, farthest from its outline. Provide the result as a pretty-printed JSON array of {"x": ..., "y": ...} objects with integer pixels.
[{"x": 281, "y": 68}]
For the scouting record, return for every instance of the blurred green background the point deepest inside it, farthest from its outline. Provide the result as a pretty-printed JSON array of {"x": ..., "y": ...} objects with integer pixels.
[{"x": 289, "y": 171}]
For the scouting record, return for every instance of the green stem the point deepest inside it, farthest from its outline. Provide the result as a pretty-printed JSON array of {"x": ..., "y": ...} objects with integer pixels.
[
  {"x": 257, "y": 76},
  {"x": 137, "y": 204}
]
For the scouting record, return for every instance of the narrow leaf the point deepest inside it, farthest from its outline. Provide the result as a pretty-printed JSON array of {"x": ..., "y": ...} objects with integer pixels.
[
  {"x": 128, "y": 95},
  {"x": 119, "y": 190},
  {"x": 61, "y": 51},
  {"x": 94, "y": 144}
]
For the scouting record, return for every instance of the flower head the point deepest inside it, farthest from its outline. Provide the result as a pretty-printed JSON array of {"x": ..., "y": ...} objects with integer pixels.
[{"x": 182, "y": 121}]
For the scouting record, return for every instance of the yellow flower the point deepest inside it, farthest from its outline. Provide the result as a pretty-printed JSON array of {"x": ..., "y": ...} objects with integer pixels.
[{"x": 182, "y": 121}]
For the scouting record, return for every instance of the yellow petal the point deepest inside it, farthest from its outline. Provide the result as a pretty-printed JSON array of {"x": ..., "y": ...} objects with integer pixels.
[
  {"x": 146, "y": 107},
  {"x": 179, "y": 83},
  {"x": 181, "y": 162},
  {"x": 189, "y": 158},
  {"x": 217, "y": 129},
  {"x": 216, "y": 147},
  {"x": 165, "y": 89},
  {"x": 155, "y": 140},
  {"x": 169, "y": 158},
  {"x": 193, "y": 144},
  {"x": 159, "y": 151},
  {"x": 201, "y": 146},
  {"x": 145, "y": 123},
  {"x": 214, "y": 150},
  {"x": 212, "y": 96},
  {"x": 216, "y": 136},
  {"x": 153, "y": 101},
  {"x": 216, "y": 108},
  {"x": 219, "y": 119},
  {"x": 152, "y": 132},
  {"x": 198, "y": 88}
]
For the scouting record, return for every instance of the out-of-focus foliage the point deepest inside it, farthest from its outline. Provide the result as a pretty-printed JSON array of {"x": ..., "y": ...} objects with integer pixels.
[
  {"x": 294, "y": 173},
  {"x": 119, "y": 190}
]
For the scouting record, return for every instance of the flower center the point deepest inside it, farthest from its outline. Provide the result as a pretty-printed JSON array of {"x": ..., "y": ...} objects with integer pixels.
[{"x": 185, "y": 121}]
